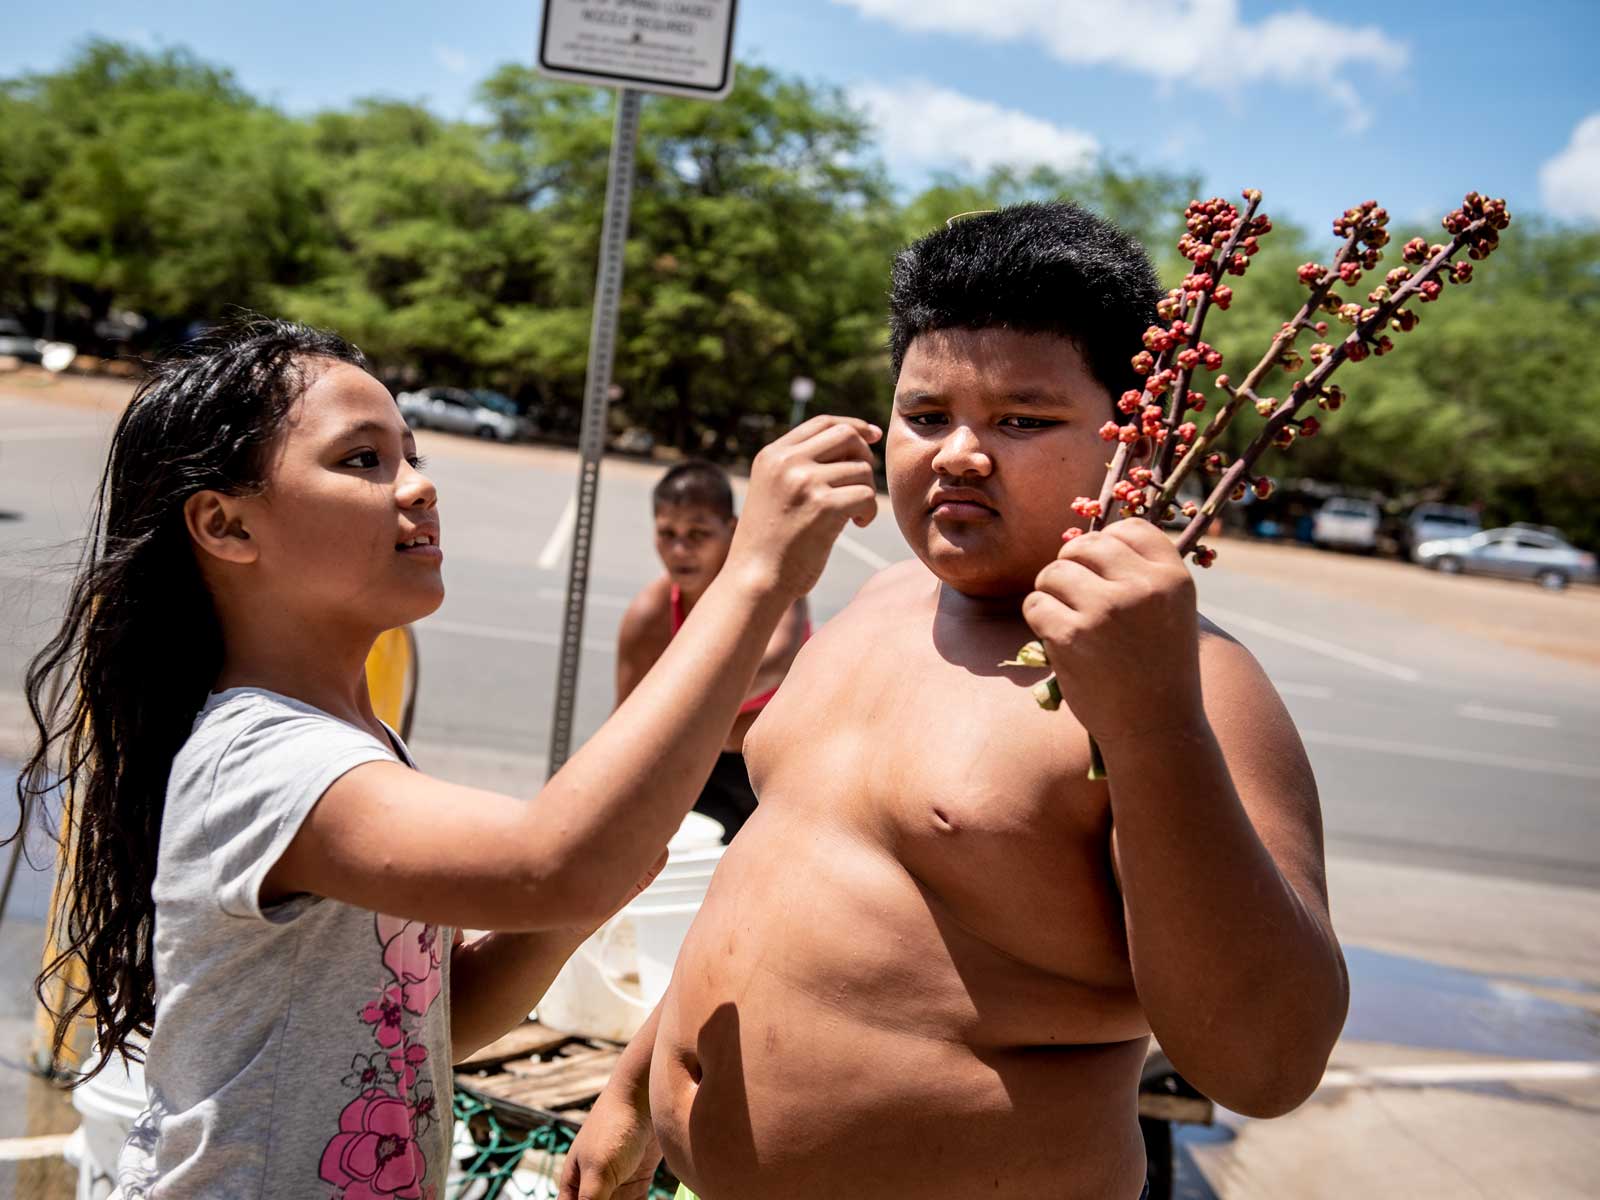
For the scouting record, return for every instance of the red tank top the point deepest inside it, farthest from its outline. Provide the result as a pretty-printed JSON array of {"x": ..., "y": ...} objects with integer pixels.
[{"x": 755, "y": 703}]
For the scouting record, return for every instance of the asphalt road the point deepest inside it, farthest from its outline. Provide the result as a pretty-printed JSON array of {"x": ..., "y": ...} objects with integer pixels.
[
  {"x": 1460, "y": 784},
  {"x": 1430, "y": 746}
]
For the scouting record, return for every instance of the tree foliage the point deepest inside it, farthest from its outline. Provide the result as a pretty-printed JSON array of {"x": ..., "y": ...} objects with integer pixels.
[{"x": 761, "y": 234}]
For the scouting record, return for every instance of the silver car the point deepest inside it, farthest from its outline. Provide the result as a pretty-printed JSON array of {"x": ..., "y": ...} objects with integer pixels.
[
  {"x": 1436, "y": 523},
  {"x": 1347, "y": 523},
  {"x": 1533, "y": 552},
  {"x": 15, "y": 342},
  {"x": 456, "y": 410}
]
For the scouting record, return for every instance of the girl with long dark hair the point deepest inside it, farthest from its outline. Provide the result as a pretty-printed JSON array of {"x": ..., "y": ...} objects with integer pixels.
[{"x": 261, "y": 881}]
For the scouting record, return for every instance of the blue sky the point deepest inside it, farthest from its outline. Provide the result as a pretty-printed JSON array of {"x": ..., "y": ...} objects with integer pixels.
[{"x": 1318, "y": 109}]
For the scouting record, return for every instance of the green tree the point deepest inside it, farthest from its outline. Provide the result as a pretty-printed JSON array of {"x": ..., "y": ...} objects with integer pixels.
[{"x": 149, "y": 181}]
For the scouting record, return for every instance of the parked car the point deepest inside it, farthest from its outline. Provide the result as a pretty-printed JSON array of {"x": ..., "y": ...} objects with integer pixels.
[
  {"x": 1347, "y": 523},
  {"x": 1535, "y": 552},
  {"x": 1437, "y": 522},
  {"x": 456, "y": 410},
  {"x": 15, "y": 342}
]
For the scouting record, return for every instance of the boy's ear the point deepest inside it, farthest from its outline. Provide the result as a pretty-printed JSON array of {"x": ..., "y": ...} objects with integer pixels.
[{"x": 216, "y": 526}]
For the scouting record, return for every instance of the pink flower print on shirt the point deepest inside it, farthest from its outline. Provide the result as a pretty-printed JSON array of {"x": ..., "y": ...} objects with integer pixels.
[
  {"x": 404, "y": 1060},
  {"x": 367, "y": 1071},
  {"x": 374, "y": 1154},
  {"x": 387, "y": 1016},
  {"x": 424, "y": 1111},
  {"x": 412, "y": 951}
]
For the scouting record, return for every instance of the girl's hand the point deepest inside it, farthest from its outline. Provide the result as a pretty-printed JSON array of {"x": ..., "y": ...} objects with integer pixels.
[
  {"x": 615, "y": 1155},
  {"x": 804, "y": 488},
  {"x": 1116, "y": 613}
]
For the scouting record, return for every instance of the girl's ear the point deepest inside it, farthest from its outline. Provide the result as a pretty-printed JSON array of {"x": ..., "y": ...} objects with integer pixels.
[{"x": 216, "y": 525}]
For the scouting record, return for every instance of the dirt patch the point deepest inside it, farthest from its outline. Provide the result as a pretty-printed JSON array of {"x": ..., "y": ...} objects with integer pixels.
[
  {"x": 97, "y": 392},
  {"x": 1563, "y": 624}
]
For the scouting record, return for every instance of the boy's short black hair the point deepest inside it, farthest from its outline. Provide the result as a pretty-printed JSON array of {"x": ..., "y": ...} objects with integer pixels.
[
  {"x": 1035, "y": 268},
  {"x": 697, "y": 484}
]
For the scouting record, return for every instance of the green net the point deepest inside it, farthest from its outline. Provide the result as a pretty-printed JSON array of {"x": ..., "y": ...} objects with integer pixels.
[{"x": 518, "y": 1160}]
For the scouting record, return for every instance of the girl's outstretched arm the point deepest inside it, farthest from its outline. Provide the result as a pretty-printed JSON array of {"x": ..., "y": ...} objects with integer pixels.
[{"x": 392, "y": 840}]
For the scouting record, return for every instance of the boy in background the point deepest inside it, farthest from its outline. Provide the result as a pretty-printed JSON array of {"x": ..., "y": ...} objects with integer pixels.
[{"x": 694, "y": 524}]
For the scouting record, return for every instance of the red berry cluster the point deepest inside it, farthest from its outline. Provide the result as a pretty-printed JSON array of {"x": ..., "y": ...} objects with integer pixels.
[
  {"x": 1475, "y": 208},
  {"x": 1219, "y": 239}
]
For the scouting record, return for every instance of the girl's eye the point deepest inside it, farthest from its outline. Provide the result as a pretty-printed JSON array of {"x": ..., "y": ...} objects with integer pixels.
[
  {"x": 1028, "y": 423},
  {"x": 364, "y": 459},
  {"x": 925, "y": 420},
  {"x": 417, "y": 461}
]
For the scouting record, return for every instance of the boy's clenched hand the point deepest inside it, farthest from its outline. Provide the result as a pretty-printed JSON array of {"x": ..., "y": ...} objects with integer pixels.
[
  {"x": 804, "y": 488},
  {"x": 614, "y": 1156},
  {"x": 1116, "y": 614}
]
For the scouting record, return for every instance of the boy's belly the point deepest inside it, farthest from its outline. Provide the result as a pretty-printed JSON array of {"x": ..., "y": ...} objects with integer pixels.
[{"x": 832, "y": 1031}]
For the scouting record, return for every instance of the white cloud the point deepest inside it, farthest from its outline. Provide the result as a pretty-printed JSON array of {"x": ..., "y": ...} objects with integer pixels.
[
  {"x": 924, "y": 126},
  {"x": 1569, "y": 183},
  {"x": 1205, "y": 44},
  {"x": 451, "y": 59}
]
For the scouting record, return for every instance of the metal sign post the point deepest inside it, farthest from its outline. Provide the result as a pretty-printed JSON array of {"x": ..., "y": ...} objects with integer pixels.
[
  {"x": 686, "y": 52},
  {"x": 596, "y": 402},
  {"x": 801, "y": 389}
]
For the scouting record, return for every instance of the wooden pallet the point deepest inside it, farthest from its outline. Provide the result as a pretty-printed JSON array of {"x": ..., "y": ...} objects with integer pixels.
[{"x": 535, "y": 1074}]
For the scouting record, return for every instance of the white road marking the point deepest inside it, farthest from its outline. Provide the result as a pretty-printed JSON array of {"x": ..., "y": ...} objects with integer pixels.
[
  {"x": 53, "y": 433},
  {"x": 1311, "y": 691},
  {"x": 500, "y": 633},
  {"x": 559, "y": 595},
  {"x": 1476, "y": 758},
  {"x": 1315, "y": 644},
  {"x": 856, "y": 550},
  {"x": 1506, "y": 716},
  {"x": 20, "y": 1149},
  {"x": 556, "y": 548},
  {"x": 1447, "y": 1073}
]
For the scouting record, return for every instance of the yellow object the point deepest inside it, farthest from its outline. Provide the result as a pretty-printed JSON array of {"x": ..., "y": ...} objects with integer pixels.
[
  {"x": 392, "y": 678},
  {"x": 62, "y": 987}
]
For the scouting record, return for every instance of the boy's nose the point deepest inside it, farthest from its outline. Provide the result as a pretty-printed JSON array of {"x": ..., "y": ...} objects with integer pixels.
[{"x": 961, "y": 453}]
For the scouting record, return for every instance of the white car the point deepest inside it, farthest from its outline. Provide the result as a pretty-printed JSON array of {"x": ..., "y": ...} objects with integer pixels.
[
  {"x": 1347, "y": 523},
  {"x": 456, "y": 410}
]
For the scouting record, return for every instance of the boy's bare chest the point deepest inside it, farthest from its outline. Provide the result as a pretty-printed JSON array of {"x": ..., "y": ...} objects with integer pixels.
[{"x": 952, "y": 769}]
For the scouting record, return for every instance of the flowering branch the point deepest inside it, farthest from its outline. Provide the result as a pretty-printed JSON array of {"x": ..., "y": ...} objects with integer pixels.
[{"x": 1218, "y": 240}]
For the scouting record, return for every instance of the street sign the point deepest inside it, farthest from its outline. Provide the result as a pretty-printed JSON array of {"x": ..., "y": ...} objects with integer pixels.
[{"x": 681, "y": 47}]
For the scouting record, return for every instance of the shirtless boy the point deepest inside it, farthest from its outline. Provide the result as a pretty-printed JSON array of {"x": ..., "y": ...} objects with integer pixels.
[
  {"x": 694, "y": 525},
  {"x": 931, "y": 964}
]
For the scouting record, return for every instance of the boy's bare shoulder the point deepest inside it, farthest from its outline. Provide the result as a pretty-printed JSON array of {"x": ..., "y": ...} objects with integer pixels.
[
  {"x": 894, "y": 581},
  {"x": 648, "y": 618},
  {"x": 1229, "y": 669},
  {"x": 1244, "y": 709}
]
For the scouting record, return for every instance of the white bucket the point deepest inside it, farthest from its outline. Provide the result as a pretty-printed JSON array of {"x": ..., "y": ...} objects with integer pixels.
[
  {"x": 620, "y": 973},
  {"x": 109, "y": 1103},
  {"x": 697, "y": 830},
  {"x": 694, "y": 856},
  {"x": 597, "y": 991},
  {"x": 659, "y": 930},
  {"x": 688, "y": 875}
]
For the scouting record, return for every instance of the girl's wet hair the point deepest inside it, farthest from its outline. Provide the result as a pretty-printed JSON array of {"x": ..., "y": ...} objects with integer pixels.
[
  {"x": 115, "y": 693},
  {"x": 1034, "y": 268}
]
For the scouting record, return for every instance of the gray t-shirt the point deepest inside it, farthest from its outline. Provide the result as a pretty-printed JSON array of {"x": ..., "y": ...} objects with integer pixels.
[{"x": 303, "y": 1049}]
